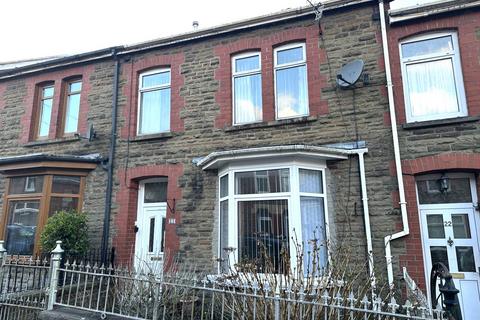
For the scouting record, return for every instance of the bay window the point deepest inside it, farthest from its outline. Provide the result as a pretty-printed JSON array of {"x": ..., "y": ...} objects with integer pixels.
[
  {"x": 154, "y": 102},
  {"x": 30, "y": 200},
  {"x": 291, "y": 87},
  {"x": 266, "y": 211},
  {"x": 247, "y": 88},
  {"x": 432, "y": 77}
]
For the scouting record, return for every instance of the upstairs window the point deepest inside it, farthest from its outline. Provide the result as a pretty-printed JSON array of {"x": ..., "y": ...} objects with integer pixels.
[
  {"x": 44, "y": 115},
  {"x": 154, "y": 102},
  {"x": 291, "y": 90},
  {"x": 247, "y": 88},
  {"x": 432, "y": 78},
  {"x": 72, "y": 107}
]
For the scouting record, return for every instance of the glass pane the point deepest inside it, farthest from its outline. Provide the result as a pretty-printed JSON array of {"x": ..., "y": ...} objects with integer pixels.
[
  {"x": 461, "y": 226},
  {"x": 151, "y": 237},
  {"x": 224, "y": 236},
  {"x": 247, "y": 64},
  {"x": 290, "y": 55},
  {"x": 435, "y": 226},
  {"x": 427, "y": 47},
  {"x": 458, "y": 191},
  {"x": 313, "y": 235},
  {"x": 224, "y": 186},
  {"x": 292, "y": 92},
  {"x": 44, "y": 120},
  {"x": 439, "y": 254},
  {"x": 248, "y": 99},
  {"x": 263, "y": 234},
  {"x": 71, "y": 114},
  {"x": 67, "y": 204},
  {"x": 266, "y": 181},
  {"x": 431, "y": 88},
  {"x": 22, "y": 226},
  {"x": 48, "y": 92},
  {"x": 66, "y": 184},
  {"x": 20, "y": 185},
  {"x": 155, "y": 111},
  {"x": 311, "y": 181},
  {"x": 162, "y": 243},
  {"x": 155, "y": 192},
  {"x": 156, "y": 79},
  {"x": 465, "y": 259},
  {"x": 75, "y": 86}
]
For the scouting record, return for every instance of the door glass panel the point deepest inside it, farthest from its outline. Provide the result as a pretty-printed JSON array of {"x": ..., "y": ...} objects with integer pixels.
[
  {"x": 21, "y": 226},
  {"x": 155, "y": 192},
  {"x": 263, "y": 234},
  {"x": 435, "y": 226},
  {"x": 21, "y": 185},
  {"x": 465, "y": 259},
  {"x": 461, "y": 226},
  {"x": 162, "y": 243},
  {"x": 151, "y": 236},
  {"x": 439, "y": 254},
  {"x": 457, "y": 191}
]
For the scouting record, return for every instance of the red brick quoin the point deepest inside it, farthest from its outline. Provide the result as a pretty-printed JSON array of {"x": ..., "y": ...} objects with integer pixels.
[
  {"x": 460, "y": 162},
  {"x": 266, "y": 44},
  {"x": 126, "y": 201},
  {"x": 466, "y": 25},
  {"x": 131, "y": 72},
  {"x": 59, "y": 78}
]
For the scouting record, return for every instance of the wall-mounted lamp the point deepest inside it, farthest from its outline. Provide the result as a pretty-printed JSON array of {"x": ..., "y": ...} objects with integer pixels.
[{"x": 443, "y": 183}]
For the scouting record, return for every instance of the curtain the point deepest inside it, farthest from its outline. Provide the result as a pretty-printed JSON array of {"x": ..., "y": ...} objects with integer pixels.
[
  {"x": 313, "y": 234},
  {"x": 431, "y": 88},
  {"x": 248, "y": 98},
  {"x": 155, "y": 111},
  {"x": 292, "y": 91},
  {"x": 311, "y": 181}
]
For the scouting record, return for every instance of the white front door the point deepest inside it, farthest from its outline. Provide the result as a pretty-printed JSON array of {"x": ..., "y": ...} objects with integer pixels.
[
  {"x": 450, "y": 235},
  {"x": 150, "y": 237}
]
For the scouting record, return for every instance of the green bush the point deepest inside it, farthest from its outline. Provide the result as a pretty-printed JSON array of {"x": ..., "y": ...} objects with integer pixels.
[{"x": 69, "y": 227}]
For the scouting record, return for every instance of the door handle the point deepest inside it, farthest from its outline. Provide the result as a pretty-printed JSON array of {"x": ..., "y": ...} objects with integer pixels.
[{"x": 450, "y": 241}]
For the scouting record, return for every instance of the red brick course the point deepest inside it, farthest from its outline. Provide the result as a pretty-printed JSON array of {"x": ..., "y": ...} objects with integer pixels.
[{"x": 266, "y": 45}]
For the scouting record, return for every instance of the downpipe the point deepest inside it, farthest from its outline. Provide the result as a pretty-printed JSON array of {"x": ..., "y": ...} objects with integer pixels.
[{"x": 396, "y": 149}]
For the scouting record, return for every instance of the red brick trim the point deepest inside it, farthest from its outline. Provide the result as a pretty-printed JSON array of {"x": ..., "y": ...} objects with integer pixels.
[
  {"x": 126, "y": 200},
  {"x": 466, "y": 25},
  {"x": 57, "y": 77},
  {"x": 265, "y": 45},
  {"x": 413, "y": 257},
  {"x": 130, "y": 74}
]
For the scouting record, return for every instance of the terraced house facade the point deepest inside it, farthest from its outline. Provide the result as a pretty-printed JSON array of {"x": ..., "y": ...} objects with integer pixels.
[{"x": 240, "y": 137}]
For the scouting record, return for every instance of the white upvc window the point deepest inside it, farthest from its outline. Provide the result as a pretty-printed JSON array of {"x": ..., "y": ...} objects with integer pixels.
[
  {"x": 291, "y": 86},
  {"x": 266, "y": 210},
  {"x": 432, "y": 77},
  {"x": 154, "y": 101},
  {"x": 247, "y": 88}
]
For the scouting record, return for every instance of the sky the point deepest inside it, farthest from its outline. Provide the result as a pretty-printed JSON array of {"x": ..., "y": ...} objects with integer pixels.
[{"x": 42, "y": 28}]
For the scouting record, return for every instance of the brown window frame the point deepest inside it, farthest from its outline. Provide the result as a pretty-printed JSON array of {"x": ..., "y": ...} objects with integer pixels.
[
  {"x": 44, "y": 198},
  {"x": 64, "y": 105},
  {"x": 38, "y": 109}
]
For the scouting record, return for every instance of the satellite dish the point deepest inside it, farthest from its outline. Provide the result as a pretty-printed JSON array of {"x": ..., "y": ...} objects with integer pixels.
[{"x": 349, "y": 74}]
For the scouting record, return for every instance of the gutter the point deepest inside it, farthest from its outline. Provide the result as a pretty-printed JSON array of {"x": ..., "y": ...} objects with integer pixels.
[
  {"x": 110, "y": 164},
  {"x": 396, "y": 149}
]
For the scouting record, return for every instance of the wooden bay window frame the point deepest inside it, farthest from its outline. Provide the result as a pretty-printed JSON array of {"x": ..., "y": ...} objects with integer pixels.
[{"x": 43, "y": 197}]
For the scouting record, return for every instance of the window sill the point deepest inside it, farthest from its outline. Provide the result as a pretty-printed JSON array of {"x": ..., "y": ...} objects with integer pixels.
[
  {"x": 441, "y": 122},
  {"x": 156, "y": 136},
  {"x": 54, "y": 141},
  {"x": 273, "y": 123}
]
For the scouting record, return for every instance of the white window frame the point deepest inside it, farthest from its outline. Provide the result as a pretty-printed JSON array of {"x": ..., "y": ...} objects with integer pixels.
[
  {"x": 153, "y": 88},
  {"x": 278, "y": 67},
  {"x": 457, "y": 73},
  {"x": 293, "y": 198},
  {"x": 243, "y": 74}
]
